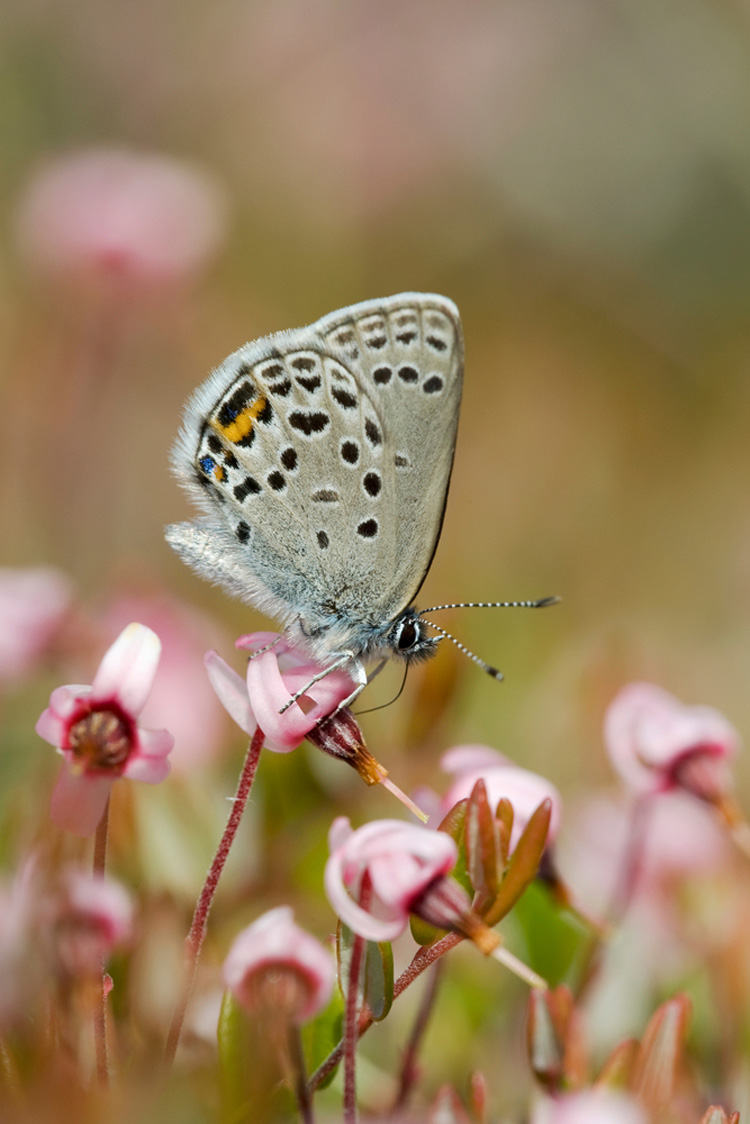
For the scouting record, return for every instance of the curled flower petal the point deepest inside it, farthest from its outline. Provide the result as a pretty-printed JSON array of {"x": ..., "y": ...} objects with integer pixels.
[
  {"x": 128, "y": 668},
  {"x": 401, "y": 860},
  {"x": 270, "y": 690}
]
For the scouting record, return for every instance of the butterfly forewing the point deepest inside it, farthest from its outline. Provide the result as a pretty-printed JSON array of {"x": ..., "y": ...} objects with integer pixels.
[{"x": 323, "y": 477}]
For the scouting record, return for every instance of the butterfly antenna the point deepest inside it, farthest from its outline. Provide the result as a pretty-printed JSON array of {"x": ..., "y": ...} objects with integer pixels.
[
  {"x": 541, "y": 603},
  {"x": 493, "y": 671}
]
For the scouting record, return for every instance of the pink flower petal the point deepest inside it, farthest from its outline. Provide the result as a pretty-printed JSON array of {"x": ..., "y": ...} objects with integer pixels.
[
  {"x": 128, "y": 668},
  {"x": 152, "y": 770},
  {"x": 352, "y": 914},
  {"x": 51, "y": 728},
  {"x": 154, "y": 743},
  {"x": 401, "y": 859},
  {"x": 232, "y": 692},
  {"x": 269, "y": 691},
  {"x": 78, "y": 801}
]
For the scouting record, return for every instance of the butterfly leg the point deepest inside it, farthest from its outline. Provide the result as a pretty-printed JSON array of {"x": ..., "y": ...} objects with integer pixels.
[{"x": 344, "y": 658}]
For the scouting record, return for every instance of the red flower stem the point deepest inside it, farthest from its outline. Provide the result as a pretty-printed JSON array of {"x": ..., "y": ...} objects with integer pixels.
[
  {"x": 351, "y": 1032},
  {"x": 197, "y": 933},
  {"x": 409, "y": 1063},
  {"x": 422, "y": 960},
  {"x": 100, "y": 1013}
]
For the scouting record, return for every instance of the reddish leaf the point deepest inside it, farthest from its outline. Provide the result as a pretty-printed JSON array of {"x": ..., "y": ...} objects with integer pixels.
[{"x": 523, "y": 864}]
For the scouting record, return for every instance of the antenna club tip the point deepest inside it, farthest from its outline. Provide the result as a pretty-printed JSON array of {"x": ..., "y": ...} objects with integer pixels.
[
  {"x": 545, "y": 601},
  {"x": 493, "y": 671}
]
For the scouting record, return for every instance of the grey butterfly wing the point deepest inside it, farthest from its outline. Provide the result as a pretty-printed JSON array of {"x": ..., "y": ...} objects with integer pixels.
[
  {"x": 407, "y": 350},
  {"x": 284, "y": 447},
  {"x": 305, "y": 470}
]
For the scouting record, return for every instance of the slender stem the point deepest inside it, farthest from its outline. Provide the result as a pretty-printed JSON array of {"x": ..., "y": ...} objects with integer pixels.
[
  {"x": 422, "y": 960},
  {"x": 197, "y": 933},
  {"x": 100, "y": 1012},
  {"x": 297, "y": 1057},
  {"x": 408, "y": 1065},
  {"x": 351, "y": 1031}
]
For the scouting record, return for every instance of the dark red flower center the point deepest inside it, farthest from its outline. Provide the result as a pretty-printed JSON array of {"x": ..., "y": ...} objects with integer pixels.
[{"x": 102, "y": 739}]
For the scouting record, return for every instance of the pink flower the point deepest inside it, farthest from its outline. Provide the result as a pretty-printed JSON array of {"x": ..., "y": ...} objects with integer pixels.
[
  {"x": 524, "y": 789},
  {"x": 33, "y": 605},
  {"x": 90, "y": 917},
  {"x": 401, "y": 861},
  {"x": 593, "y": 1106},
  {"x": 273, "y": 676},
  {"x": 96, "y": 730},
  {"x": 275, "y": 962},
  {"x": 656, "y": 743},
  {"x": 181, "y": 699},
  {"x": 110, "y": 215}
]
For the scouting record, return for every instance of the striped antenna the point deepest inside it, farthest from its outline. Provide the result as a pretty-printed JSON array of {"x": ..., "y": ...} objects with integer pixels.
[
  {"x": 542, "y": 603},
  {"x": 490, "y": 670},
  {"x": 462, "y": 648}
]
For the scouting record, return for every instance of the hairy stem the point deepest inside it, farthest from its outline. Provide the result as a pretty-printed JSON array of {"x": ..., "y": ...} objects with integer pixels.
[{"x": 197, "y": 933}]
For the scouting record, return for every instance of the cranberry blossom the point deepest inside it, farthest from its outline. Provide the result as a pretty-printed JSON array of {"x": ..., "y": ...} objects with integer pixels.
[
  {"x": 656, "y": 743},
  {"x": 401, "y": 862},
  {"x": 96, "y": 730},
  {"x": 273, "y": 963},
  {"x": 275, "y": 672}
]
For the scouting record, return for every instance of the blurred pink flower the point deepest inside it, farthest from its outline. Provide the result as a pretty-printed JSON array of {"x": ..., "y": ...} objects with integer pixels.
[
  {"x": 96, "y": 730},
  {"x": 88, "y": 919},
  {"x": 656, "y": 743},
  {"x": 181, "y": 699},
  {"x": 33, "y": 603},
  {"x": 273, "y": 960},
  {"x": 273, "y": 676},
  {"x": 401, "y": 860},
  {"x": 593, "y": 1106},
  {"x": 111, "y": 215},
  {"x": 524, "y": 789},
  {"x": 678, "y": 839}
]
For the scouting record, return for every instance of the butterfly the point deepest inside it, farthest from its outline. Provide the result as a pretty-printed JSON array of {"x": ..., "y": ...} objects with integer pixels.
[{"x": 321, "y": 459}]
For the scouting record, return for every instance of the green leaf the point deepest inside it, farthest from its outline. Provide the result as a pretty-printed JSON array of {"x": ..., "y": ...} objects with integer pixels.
[
  {"x": 321, "y": 1034},
  {"x": 378, "y": 978},
  {"x": 375, "y": 984},
  {"x": 234, "y": 1051}
]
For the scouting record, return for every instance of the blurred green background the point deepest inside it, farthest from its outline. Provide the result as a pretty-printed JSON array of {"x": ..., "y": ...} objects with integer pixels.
[{"x": 575, "y": 176}]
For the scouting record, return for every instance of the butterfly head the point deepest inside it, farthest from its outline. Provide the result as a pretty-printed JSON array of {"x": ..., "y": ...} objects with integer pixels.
[{"x": 407, "y": 637}]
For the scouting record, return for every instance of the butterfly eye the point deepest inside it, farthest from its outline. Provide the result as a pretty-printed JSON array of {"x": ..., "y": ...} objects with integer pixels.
[{"x": 407, "y": 636}]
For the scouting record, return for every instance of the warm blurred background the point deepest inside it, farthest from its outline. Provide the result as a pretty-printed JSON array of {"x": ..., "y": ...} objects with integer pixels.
[{"x": 576, "y": 177}]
